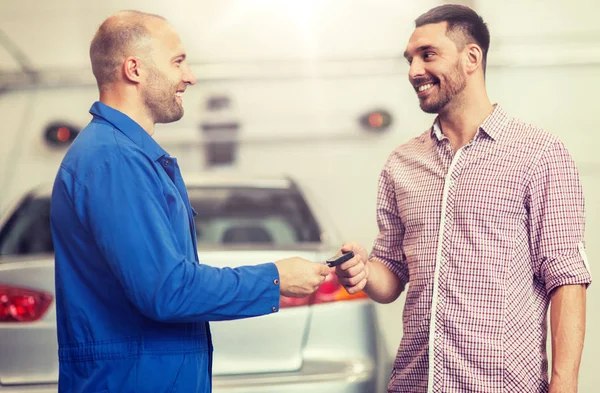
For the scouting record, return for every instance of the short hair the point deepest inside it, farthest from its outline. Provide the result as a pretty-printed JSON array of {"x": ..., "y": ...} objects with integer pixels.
[
  {"x": 460, "y": 19},
  {"x": 116, "y": 38}
]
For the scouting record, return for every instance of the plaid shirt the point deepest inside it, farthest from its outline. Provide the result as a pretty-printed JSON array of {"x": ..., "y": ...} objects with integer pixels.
[{"x": 483, "y": 235}]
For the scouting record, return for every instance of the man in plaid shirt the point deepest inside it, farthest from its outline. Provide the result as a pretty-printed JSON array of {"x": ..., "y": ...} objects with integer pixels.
[{"x": 484, "y": 216}]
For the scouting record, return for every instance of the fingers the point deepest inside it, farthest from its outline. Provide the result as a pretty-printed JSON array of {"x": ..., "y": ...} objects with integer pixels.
[
  {"x": 351, "y": 264},
  {"x": 357, "y": 248},
  {"x": 348, "y": 246},
  {"x": 356, "y": 288},
  {"x": 353, "y": 274},
  {"x": 323, "y": 269},
  {"x": 321, "y": 281},
  {"x": 354, "y": 280},
  {"x": 352, "y": 246},
  {"x": 307, "y": 276},
  {"x": 354, "y": 270},
  {"x": 315, "y": 287},
  {"x": 354, "y": 284},
  {"x": 321, "y": 273}
]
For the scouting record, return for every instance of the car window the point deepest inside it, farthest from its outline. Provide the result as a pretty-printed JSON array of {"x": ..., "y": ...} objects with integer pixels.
[
  {"x": 27, "y": 231},
  {"x": 226, "y": 216},
  {"x": 279, "y": 217}
]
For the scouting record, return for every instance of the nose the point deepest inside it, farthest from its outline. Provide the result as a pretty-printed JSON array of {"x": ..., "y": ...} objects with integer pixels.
[
  {"x": 416, "y": 69},
  {"x": 188, "y": 76}
]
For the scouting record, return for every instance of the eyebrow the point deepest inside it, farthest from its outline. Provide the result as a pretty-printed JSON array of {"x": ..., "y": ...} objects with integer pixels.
[{"x": 422, "y": 48}]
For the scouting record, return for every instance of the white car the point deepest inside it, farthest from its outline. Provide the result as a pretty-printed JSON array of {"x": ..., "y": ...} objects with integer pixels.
[{"x": 326, "y": 343}]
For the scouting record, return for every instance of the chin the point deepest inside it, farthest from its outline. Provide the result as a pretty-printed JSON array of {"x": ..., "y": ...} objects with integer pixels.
[
  {"x": 171, "y": 116},
  {"x": 430, "y": 108},
  {"x": 433, "y": 106}
]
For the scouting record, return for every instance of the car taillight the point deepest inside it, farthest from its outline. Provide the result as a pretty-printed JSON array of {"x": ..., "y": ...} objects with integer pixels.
[
  {"x": 22, "y": 305},
  {"x": 330, "y": 291}
]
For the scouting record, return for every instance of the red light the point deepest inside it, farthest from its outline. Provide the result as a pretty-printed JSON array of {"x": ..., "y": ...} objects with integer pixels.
[
  {"x": 60, "y": 134},
  {"x": 330, "y": 291},
  {"x": 285, "y": 302},
  {"x": 376, "y": 120},
  {"x": 63, "y": 134},
  {"x": 22, "y": 305}
]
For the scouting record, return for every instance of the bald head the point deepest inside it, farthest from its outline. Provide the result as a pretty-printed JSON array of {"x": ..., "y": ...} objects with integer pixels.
[{"x": 126, "y": 33}]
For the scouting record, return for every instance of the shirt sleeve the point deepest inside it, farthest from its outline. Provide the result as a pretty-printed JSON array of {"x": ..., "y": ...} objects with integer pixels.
[
  {"x": 387, "y": 247},
  {"x": 124, "y": 206},
  {"x": 556, "y": 221}
]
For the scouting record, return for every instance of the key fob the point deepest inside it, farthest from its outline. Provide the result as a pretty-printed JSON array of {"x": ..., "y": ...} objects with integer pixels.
[{"x": 338, "y": 260}]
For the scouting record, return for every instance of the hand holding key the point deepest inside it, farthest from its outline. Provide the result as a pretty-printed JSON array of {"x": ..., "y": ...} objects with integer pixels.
[
  {"x": 299, "y": 277},
  {"x": 339, "y": 259},
  {"x": 353, "y": 273}
]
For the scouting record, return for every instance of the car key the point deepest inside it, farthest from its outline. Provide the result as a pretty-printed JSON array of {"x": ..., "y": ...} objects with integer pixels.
[{"x": 338, "y": 260}]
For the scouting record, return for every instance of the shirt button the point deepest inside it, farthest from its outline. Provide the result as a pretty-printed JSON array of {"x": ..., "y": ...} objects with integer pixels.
[
  {"x": 452, "y": 183},
  {"x": 437, "y": 335},
  {"x": 276, "y": 281},
  {"x": 274, "y": 308},
  {"x": 166, "y": 162}
]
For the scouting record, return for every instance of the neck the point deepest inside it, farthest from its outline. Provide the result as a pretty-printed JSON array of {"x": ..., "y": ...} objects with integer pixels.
[
  {"x": 461, "y": 118},
  {"x": 130, "y": 105}
]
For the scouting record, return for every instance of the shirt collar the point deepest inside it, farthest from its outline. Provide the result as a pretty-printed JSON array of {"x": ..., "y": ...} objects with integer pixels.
[
  {"x": 493, "y": 125},
  {"x": 436, "y": 130},
  {"x": 130, "y": 128}
]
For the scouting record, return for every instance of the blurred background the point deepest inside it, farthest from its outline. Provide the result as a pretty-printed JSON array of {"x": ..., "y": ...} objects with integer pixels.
[{"x": 315, "y": 90}]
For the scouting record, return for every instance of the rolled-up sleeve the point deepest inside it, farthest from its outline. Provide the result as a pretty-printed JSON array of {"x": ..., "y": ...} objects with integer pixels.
[
  {"x": 123, "y": 204},
  {"x": 387, "y": 247},
  {"x": 557, "y": 220}
]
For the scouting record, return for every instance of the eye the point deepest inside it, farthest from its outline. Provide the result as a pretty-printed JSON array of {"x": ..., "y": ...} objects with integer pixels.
[{"x": 428, "y": 55}]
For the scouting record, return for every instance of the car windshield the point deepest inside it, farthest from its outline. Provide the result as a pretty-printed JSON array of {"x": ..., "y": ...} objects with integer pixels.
[
  {"x": 279, "y": 217},
  {"x": 226, "y": 216}
]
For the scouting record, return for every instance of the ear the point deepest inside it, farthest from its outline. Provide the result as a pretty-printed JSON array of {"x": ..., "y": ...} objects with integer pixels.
[
  {"x": 473, "y": 58},
  {"x": 131, "y": 69}
]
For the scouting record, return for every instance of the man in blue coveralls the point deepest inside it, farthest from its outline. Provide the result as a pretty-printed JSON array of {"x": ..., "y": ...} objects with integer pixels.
[{"x": 132, "y": 300}]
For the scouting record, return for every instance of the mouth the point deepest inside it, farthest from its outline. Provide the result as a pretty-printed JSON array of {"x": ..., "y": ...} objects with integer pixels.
[
  {"x": 424, "y": 89},
  {"x": 178, "y": 95}
]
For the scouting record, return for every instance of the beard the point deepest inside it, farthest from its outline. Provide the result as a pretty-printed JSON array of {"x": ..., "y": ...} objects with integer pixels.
[
  {"x": 455, "y": 83},
  {"x": 160, "y": 100}
]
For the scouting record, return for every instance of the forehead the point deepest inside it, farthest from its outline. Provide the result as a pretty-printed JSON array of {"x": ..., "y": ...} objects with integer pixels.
[
  {"x": 430, "y": 35},
  {"x": 166, "y": 38}
]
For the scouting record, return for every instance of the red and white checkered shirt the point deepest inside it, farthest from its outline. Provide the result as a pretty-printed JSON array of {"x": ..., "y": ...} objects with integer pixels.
[{"x": 483, "y": 236}]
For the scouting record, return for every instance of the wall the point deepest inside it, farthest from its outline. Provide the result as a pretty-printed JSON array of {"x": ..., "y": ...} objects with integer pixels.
[{"x": 298, "y": 111}]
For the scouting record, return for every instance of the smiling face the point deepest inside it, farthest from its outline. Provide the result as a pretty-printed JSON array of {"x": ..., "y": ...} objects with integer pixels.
[
  {"x": 436, "y": 70},
  {"x": 168, "y": 76}
]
